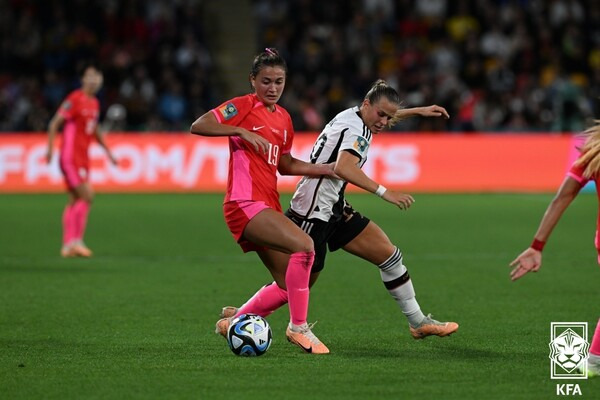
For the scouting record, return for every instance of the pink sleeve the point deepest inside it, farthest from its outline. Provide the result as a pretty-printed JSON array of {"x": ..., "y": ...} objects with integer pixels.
[
  {"x": 217, "y": 115},
  {"x": 576, "y": 172},
  {"x": 233, "y": 111}
]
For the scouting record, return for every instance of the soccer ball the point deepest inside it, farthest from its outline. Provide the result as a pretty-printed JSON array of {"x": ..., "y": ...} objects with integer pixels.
[{"x": 249, "y": 335}]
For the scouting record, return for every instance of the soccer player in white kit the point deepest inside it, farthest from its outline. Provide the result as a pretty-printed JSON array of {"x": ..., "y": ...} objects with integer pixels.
[{"x": 320, "y": 209}]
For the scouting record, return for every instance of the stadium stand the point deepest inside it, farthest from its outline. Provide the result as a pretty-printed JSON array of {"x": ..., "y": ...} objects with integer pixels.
[{"x": 506, "y": 65}]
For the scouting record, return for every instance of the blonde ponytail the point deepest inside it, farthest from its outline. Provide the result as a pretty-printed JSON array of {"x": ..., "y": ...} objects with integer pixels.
[
  {"x": 381, "y": 89},
  {"x": 590, "y": 152},
  {"x": 399, "y": 116}
]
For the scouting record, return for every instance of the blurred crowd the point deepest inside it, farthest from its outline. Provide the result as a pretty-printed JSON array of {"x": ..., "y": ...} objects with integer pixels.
[
  {"x": 503, "y": 65},
  {"x": 153, "y": 54}
]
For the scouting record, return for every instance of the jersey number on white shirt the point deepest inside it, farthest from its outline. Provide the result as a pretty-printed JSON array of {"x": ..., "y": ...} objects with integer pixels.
[{"x": 318, "y": 148}]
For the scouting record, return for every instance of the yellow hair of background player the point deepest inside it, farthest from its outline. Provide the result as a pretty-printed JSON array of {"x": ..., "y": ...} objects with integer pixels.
[{"x": 591, "y": 151}]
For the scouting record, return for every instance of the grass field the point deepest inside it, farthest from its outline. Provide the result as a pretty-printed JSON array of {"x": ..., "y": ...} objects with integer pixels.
[{"x": 137, "y": 320}]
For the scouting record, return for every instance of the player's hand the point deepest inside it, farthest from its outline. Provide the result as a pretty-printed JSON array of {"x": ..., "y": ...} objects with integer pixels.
[
  {"x": 402, "y": 200},
  {"x": 49, "y": 155},
  {"x": 258, "y": 142},
  {"x": 434, "y": 111},
  {"x": 529, "y": 260}
]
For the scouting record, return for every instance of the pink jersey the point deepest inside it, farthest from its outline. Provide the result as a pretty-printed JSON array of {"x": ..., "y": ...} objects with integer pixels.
[
  {"x": 253, "y": 174},
  {"x": 80, "y": 112},
  {"x": 576, "y": 172}
]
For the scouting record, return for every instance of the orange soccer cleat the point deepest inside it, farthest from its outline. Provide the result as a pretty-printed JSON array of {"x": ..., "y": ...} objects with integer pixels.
[
  {"x": 67, "y": 251},
  {"x": 222, "y": 326},
  {"x": 431, "y": 327},
  {"x": 81, "y": 250},
  {"x": 228, "y": 311},
  {"x": 305, "y": 339}
]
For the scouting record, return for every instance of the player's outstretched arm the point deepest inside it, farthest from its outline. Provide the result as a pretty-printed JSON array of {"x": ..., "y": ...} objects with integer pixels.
[
  {"x": 346, "y": 168},
  {"x": 289, "y": 165},
  {"x": 53, "y": 126},
  {"x": 531, "y": 258},
  {"x": 429, "y": 111},
  {"x": 207, "y": 125}
]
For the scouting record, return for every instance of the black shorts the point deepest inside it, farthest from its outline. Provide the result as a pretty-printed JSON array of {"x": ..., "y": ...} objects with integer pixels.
[{"x": 334, "y": 234}]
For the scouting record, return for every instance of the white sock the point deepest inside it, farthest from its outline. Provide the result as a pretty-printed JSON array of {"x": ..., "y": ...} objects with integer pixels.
[
  {"x": 298, "y": 328},
  {"x": 397, "y": 281}
]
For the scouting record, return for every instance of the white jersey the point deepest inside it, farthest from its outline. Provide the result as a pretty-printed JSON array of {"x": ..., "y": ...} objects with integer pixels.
[{"x": 323, "y": 197}]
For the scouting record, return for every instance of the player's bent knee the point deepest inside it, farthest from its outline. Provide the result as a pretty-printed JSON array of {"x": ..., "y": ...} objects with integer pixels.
[{"x": 305, "y": 245}]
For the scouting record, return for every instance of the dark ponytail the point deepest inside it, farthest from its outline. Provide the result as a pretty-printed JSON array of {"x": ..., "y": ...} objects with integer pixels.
[{"x": 268, "y": 58}]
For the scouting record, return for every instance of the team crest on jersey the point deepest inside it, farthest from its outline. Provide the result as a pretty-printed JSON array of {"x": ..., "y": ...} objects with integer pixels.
[
  {"x": 361, "y": 144},
  {"x": 66, "y": 105},
  {"x": 228, "y": 111}
]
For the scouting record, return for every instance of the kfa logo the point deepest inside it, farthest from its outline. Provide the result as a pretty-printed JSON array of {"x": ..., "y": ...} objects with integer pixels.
[
  {"x": 569, "y": 350},
  {"x": 568, "y": 389}
]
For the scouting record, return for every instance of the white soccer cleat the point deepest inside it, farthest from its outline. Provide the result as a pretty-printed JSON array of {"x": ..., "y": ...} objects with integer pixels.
[{"x": 593, "y": 369}]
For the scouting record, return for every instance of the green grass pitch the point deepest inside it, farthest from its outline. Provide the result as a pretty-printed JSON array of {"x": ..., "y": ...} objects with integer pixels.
[{"x": 137, "y": 320}]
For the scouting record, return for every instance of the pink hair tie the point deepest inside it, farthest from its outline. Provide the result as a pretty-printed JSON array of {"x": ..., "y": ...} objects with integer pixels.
[{"x": 271, "y": 52}]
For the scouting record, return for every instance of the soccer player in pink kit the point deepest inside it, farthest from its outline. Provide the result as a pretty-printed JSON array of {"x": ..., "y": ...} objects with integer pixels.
[
  {"x": 260, "y": 140},
  {"x": 586, "y": 168},
  {"x": 79, "y": 113}
]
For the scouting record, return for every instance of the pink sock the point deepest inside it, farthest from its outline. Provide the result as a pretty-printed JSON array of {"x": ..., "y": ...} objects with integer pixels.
[
  {"x": 68, "y": 222},
  {"x": 268, "y": 299},
  {"x": 296, "y": 280},
  {"x": 595, "y": 347},
  {"x": 81, "y": 209}
]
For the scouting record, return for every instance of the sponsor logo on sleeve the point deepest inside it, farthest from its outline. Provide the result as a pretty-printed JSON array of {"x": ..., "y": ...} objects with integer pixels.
[
  {"x": 228, "y": 111},
  {"x": 360, "y": 144}
]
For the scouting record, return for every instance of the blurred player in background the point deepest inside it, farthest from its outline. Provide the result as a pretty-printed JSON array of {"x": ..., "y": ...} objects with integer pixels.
[
  {"x": 586, "y": 168},
  {"x": 260, "y": 140},
  {"x": 79, "y": 113},
  {"x": 320, "y": 209}
]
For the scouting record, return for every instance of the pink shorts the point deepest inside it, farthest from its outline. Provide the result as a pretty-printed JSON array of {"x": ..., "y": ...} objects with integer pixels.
[
  {"x": 74, "y": 175},
  {"x": 237, "y": 216}
]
